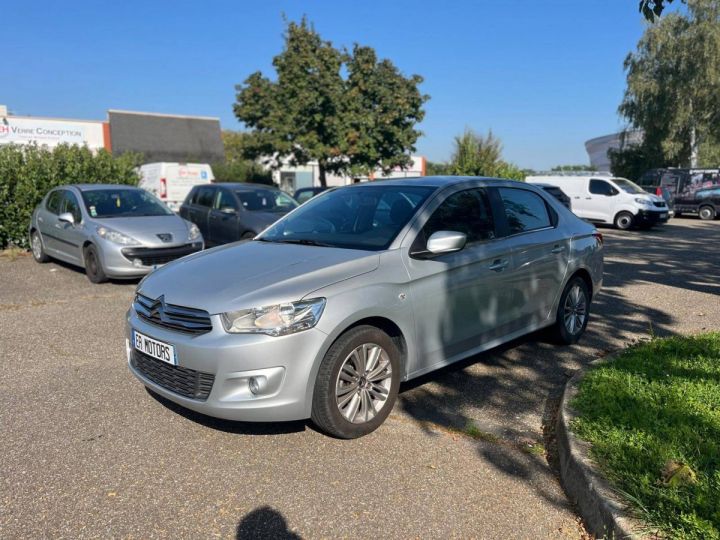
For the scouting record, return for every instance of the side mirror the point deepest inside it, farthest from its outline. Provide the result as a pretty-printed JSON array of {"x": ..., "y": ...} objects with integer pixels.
[
  {"x": 67, "y": 217},
  {"x": 229, "y": 210},
  {"x": 446, "y": 242},
  {"x": 613, "y": 192}
]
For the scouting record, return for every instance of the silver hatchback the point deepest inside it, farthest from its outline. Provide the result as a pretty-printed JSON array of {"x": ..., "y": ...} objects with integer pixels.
[
  {"x": 327, "y": 311},
  {"x": 112, "y": 231}
]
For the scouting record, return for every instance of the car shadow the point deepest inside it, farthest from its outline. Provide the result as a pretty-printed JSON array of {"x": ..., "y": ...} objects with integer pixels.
[
  {"x": 230, "y": 426},
  {"x": 76, "y": 269},
  {"x": 264, "y": 523}
]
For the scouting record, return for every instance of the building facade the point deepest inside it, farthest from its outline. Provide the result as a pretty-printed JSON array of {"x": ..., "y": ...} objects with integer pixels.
[{"x": 598, "y": 147}]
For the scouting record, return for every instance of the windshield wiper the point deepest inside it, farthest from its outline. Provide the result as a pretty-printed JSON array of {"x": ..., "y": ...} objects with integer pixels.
[{"x": 301, "y": 241}]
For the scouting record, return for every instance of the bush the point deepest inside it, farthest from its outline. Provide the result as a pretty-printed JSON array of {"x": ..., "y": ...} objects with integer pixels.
[
  {"x": 241, "y": 171},
  {"x": 27, "y": 173}
]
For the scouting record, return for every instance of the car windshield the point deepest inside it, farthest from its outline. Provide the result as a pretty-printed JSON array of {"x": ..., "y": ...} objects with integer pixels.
[
  {"x": 123, "y": 202},
  {"x": 627, "y": 186},
  {"x": 266, "y": 200},
  {"x": 363, "y": 217}
]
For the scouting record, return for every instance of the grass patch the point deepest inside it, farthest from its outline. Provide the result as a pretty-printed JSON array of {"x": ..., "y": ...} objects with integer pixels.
[{"x": 653, "y": 418}]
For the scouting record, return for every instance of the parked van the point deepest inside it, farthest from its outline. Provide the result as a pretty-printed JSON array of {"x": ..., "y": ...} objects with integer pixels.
[
  {"x": 171, "y": 182},
  {"x": 602, "y": 198}
]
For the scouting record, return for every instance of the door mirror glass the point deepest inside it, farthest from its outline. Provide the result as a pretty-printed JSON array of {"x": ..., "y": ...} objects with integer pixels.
[
  {"x": 67, "y": 217},
  {"x": 229, "y": 210},
  {"x": 446, "y": 242}
]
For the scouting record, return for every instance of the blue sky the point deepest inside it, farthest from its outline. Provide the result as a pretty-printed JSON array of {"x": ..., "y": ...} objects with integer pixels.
[{"x": 544, "y": 76}]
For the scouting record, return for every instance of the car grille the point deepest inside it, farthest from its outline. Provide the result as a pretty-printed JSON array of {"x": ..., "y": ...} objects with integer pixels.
[
  {"x": 179, "y": 380},
  {"x": 154, "y": 256},
  {"x": 659, "y": 204},
  {"x": 181, "y": 319}
]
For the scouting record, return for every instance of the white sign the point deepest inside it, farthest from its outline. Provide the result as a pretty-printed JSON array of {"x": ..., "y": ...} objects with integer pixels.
[{"x": 48, "y": 132}]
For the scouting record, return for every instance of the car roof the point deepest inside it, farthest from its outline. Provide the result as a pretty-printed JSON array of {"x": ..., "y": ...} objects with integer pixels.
[
  {"x": 440, "y": 181},
  {"x": 93, "y": 187},
  {"x": 247, "y": 186}
]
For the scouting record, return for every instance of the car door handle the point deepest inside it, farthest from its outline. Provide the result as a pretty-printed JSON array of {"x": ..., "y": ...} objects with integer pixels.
[
  {"x": 557, "y": 249},
  {"x": 588, "y": 198},
  {"x": 498, "y": 265}
]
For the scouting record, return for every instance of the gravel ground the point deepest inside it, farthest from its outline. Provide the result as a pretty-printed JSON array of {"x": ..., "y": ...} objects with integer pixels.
[{"x": 87, "y": 452}]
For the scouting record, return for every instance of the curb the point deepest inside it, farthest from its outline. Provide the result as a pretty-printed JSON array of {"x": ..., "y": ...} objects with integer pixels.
[{"x": 605, "y": 515}]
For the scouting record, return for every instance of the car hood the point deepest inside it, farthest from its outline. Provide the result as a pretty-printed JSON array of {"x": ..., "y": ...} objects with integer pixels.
[
  {"x": 254, "y": 274},
  {"x": 146, "y": 229}
]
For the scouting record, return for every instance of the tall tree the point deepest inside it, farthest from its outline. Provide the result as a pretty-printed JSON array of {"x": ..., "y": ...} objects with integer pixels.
[
  {"x": 673, "y": 84},
  {"x": 478, "y": 155},
  {"x": 346, "y": 110}
]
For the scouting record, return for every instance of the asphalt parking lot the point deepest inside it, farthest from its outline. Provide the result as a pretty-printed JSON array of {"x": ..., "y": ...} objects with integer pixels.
[{"x": 87, "y": 452}]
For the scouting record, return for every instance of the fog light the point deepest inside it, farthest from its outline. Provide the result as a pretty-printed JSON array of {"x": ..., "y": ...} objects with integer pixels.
[
  {"x": 137, "y": 263},
  {"x": 254, "y": 384}
]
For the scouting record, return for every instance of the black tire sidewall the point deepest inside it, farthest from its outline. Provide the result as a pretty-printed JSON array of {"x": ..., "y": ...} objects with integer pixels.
[
  {"x": 325, "y": 412},
  {"x": 97, "y": 275},
  {"x": 561, "y": 332},
  {"x": 43, "y": 256}
]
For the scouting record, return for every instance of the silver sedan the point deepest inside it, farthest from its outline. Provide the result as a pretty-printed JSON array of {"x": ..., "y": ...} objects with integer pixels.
[
  {"x": 327, "y": 311},
  {"x": 112, "y": 231}
]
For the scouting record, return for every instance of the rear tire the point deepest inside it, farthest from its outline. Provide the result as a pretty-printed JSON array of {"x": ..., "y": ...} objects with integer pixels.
[
  {"x": 357, "y": 383},
  {"x": 36, "y": 246},
  {"x": 572, "y": 313},
  {"x": 707, "y": 213},
  {"x": 624, "y": 220},
  {"x": 93, "y": 266}
]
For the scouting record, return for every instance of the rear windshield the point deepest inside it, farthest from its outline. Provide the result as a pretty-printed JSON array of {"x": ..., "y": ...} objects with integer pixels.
[
  {"x": 123, "y": 202},
  {"x": 266, "y": 200}
]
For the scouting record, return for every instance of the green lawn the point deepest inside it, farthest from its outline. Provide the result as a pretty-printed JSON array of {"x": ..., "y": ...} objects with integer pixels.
[{"x": 653, "y": 418}]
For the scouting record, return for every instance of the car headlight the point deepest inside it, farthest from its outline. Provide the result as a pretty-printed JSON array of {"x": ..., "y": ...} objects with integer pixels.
[
  {"x": 193, "y": 232},
  {"x": 643, "y": 202},
  {"x": 116, "y": 237},
  {"x": 277, "y": 320}
]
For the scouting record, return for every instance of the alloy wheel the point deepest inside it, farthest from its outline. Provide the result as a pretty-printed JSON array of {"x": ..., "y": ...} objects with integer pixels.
[
  {"x": 36, "y": 246},
  {"x": 363, "y": 383},
  {"x": 575, "y": 310}
]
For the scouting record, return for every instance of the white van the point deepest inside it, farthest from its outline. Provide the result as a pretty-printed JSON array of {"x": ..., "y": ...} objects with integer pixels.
[
  {"x": 602, "y": 198},
  {"x": 171, "y": 182}
]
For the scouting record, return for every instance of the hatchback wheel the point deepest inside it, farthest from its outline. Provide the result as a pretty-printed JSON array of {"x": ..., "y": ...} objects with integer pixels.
[
  {"x": 707, "y": 213},
  {"x": 357, "y": 383},
  {"x": 93, "y": 266},
  {"x": 573, "y": 311},
  {"x": 624, "y": 220},
  {"x": 37, "y": 248}
]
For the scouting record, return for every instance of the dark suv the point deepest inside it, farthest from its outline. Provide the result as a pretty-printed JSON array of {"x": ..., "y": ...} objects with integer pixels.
[
  {"x": 228, "y": 212},
  {"x": 703, "y": 202}
]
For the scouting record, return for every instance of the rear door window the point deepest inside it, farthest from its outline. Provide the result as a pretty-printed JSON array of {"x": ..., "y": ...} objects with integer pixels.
[
  {"x": 205, "y": 196},
  {"x": 525, "y": 210}
]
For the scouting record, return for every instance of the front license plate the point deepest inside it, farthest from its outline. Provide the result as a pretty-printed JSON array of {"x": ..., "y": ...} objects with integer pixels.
[
  {"x": 663, "y": 216},
  {"x": 153, "y": 347}
]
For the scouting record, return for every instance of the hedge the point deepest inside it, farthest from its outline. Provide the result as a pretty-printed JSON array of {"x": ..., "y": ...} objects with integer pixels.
[{"x": 27, "y": 173}]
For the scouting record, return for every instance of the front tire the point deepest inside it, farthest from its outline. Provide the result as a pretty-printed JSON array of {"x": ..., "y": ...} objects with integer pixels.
[
  {"x": 707, "y": 213},
  {"x": 572, "y": 313},
  {"x": 93, "y": 265},
  {"x": 624, "y": 220},
  {"x": 37, "y": 249},
  {"x": 357, "y": 383}
]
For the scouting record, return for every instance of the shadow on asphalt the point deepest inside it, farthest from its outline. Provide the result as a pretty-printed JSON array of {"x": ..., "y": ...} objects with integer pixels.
[
  {"x": 527, "y": 376},
  {"x": 230, "y": 426},
  {"x": 264, "y": 523}
]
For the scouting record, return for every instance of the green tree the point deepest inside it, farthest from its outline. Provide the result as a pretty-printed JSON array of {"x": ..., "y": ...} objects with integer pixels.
[
  {"x": 238, "y": 166},
  {"x": 673, "y": 87},
  {"x": 346, "y": 110},
  {"x": 478, "y": 155}
]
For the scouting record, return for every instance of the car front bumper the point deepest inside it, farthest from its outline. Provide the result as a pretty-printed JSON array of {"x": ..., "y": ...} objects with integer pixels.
[
  {"x": 652, "y": 217},
  {"x": 135, "y": 261},
  {"x": 284, "y": 367}
]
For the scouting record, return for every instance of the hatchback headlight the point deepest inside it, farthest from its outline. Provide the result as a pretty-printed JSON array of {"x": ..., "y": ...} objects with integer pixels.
[
  {"x": 277, "y": 320},
  {"x": 193, "y": 232},
  {"x": 116, "y": 237}
]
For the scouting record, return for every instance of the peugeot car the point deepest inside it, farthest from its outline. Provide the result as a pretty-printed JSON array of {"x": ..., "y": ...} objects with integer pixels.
[
  {"x": 112, "y": 231},
  {"x": 324, "y": 313}
]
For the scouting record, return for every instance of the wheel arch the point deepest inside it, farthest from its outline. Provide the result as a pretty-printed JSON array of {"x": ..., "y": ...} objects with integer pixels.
[{"x": 583, "y": 274}]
